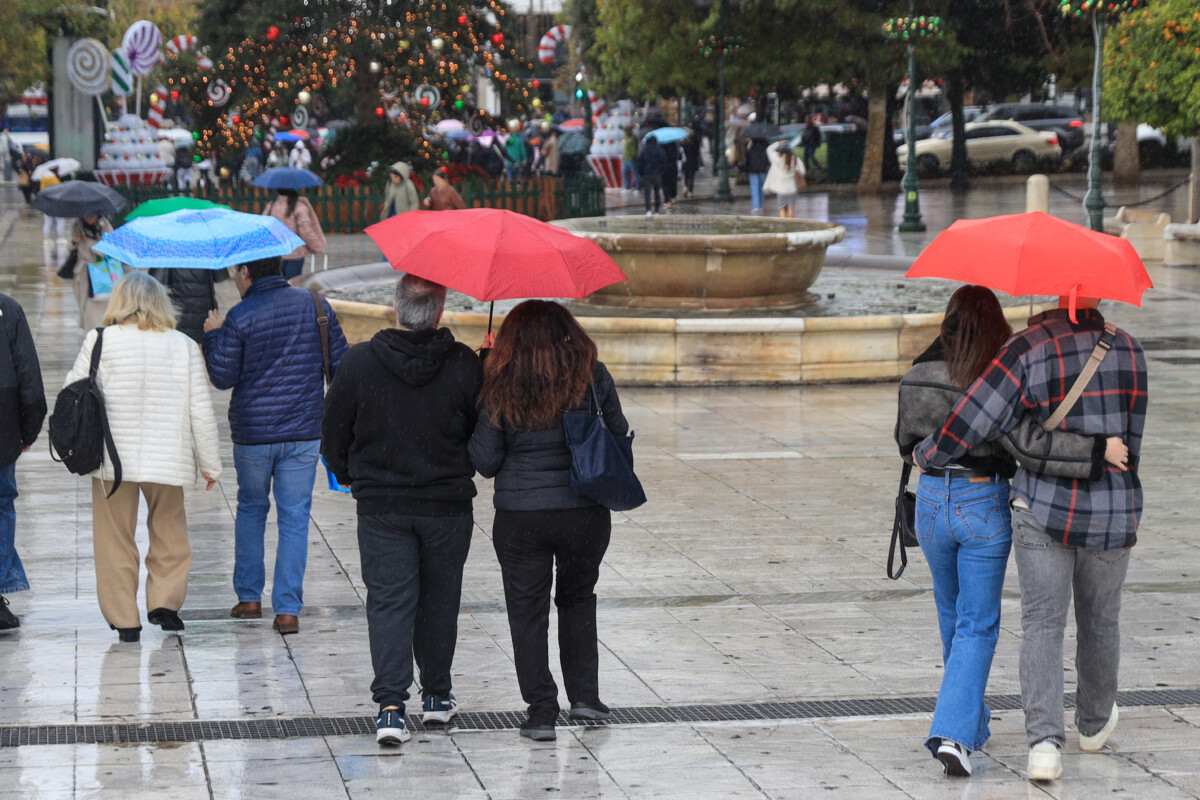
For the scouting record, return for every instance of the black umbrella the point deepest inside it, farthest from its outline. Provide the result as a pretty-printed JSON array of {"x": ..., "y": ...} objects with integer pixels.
[
  {"x": 79, "y": 199},
  {"x": 573, "y": 143},
  {"x": 761, "y": 130}
]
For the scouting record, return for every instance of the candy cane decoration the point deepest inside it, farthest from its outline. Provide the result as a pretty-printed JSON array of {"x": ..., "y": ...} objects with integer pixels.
[
  {"x": 553, "y": 37},
  {"x": 599, "y": 104},
  {"x": 155, "y": 116},
  {"x": 185, "y": 41}
]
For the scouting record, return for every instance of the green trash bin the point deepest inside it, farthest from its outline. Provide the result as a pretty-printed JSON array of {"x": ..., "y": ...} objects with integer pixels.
[{"x": 844, "y": 148}]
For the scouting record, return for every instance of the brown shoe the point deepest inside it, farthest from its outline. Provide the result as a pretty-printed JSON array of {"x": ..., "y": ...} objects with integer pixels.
[
  {"x": 246, "y": 611},
  {"x": 287, "y": 623}
]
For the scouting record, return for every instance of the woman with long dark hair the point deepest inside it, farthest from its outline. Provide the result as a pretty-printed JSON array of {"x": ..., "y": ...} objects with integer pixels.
[
  {"x": 963, "y": 521},
  {"x": 298, "y": 214},
  {"x": 542, "y": 364}
]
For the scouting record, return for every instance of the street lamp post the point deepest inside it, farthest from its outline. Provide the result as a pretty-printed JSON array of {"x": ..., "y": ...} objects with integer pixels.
[
  {"x": 720, "y": 45},
  {"x": 1093, "y": 202},
  {"x": 907, "y": 29}
]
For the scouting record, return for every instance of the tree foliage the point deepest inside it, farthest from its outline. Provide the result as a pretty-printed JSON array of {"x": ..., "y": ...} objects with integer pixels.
[{"x": 1152, "y": 68}]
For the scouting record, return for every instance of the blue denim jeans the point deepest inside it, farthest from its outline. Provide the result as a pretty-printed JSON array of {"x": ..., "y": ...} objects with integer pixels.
[
  {"x": 965, "y": 529},
  {"x": 756, "y": 190},
  {"x": 12, "y": 572},
  {"x": 629, "y": 176},
  {"x": 292, "y": 466}
]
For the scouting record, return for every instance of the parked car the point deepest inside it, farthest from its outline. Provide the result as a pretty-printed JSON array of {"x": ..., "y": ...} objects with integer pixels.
[
  {"x": 939, "y": 126},
  {"x": 1001, "y": 140},
  {"x": 1062, "y": 120}
]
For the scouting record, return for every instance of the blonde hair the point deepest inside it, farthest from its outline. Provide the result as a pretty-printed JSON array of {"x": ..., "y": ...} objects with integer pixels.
[{"x": 139, "y": 298}]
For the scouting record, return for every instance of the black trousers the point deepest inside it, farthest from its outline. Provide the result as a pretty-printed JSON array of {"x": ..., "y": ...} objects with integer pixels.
[
  {"x": 652, "y": 184},
  {"x": 412, "y": 567},
  {"x": 530, "y": 545}
]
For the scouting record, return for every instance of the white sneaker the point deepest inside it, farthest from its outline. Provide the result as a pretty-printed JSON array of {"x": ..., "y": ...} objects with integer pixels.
[
  {"x": 955, "y": 758},
  {"x": 390, "y": 728},
  {"x": 1045, "y": 764},
  {"x": 1092, "y": 744},
  {"x": 439, "y": 709}
]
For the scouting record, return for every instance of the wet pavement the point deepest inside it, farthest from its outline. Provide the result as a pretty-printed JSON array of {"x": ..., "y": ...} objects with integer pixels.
[{"x": 748, "y": 634}]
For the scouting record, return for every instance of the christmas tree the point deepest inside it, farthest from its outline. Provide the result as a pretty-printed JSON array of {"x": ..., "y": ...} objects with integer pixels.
[{"x": 279, "y": 62}]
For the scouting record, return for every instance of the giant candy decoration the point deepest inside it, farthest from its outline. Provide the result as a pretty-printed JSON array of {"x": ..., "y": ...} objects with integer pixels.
[
  {"x": 548, "y": 43},
  {"x": 184, "y": 42},
  {"x": 142, "y": 42},
  {"x": 122, "y": 77},
  {"x": 87, "y": 66},
  {"x": 130, "y": 155}
]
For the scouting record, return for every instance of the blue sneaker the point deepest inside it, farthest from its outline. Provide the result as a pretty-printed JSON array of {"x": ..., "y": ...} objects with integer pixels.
[
  {"x": 391, "y": 728},
  {"x": 439, "y": 708}
]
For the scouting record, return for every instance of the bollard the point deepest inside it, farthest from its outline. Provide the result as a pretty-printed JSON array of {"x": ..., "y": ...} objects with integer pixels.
[{"x": 1037, "y": 194}]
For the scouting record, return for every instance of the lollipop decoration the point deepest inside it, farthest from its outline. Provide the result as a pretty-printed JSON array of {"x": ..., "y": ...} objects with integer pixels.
[
  {"x": 142, "y": 42},
  {"x": 428, "y": 97},
  {"x": 218, "y": 93},
  {"x": 87, "y": 66},
  {"x": 300, "y": 116}
]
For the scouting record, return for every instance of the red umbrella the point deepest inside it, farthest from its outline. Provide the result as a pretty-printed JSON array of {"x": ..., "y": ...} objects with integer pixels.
[
  {"x": 1036, "y": 253},
  {"x": 492, "y": 254}
]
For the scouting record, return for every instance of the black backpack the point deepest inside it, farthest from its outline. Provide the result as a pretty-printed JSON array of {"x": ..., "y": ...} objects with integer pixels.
[{"x": 79, "y": 430}]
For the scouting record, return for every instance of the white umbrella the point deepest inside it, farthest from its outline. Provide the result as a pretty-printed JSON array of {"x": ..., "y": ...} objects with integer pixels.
[{"x": 63, "y": 166}]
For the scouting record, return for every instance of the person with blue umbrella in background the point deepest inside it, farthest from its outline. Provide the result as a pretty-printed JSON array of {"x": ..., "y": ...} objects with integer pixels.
[{"x": 294, "y": 211}]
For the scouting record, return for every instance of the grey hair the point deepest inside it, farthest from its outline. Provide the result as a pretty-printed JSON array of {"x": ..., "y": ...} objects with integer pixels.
[{"x": 418, "y": 302}]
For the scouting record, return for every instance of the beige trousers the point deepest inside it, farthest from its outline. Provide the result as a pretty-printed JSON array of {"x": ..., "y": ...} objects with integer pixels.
[{"x": 114, "y": 523}]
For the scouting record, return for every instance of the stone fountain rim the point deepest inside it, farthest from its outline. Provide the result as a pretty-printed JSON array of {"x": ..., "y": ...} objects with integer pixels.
[{"x": 824, "y": 234}]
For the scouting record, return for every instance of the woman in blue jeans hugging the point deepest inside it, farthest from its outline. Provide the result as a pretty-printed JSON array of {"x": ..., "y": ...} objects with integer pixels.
[{"x": 963, "y": 520}]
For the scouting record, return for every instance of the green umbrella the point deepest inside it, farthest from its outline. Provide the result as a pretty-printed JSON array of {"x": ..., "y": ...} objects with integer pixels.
[{"x": 155, "y": 208}]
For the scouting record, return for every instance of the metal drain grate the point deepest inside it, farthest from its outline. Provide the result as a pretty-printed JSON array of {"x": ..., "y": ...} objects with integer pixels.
[{"x": 304, "y": 727}]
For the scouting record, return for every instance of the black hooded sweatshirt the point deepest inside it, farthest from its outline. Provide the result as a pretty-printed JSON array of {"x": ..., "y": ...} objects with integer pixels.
[{"x": 397, "y": 421}]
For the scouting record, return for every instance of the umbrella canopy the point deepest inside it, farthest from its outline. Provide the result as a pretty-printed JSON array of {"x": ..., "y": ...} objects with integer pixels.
[
  {"x": 572, "y": 124},
  {"x": 156, "y": 208},
  {"x": 447, "y": 125},
  {"x": 573, "y": 143},
  {"x": 761, "y": 130},
  {"x": 300, "y": 133},
  {"x": 1035, "y": 253},
  {"x": 213, "y": 238},
  {"x": 287, "y": 178},
  {"x": 79, "y": 199},
  {"x": 63, "y": 166},
  {"x": 668, "y": 135},
  {"x": 457, "y": 134},
  {"x": 492, "y": 254},
  {"x": 287, "y": 137}
]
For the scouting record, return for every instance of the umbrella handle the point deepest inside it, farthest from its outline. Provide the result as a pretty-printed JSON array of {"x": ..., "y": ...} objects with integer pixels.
[
  {"x": 491, "y": 310},
  {"x": 1071, "y": 303}
]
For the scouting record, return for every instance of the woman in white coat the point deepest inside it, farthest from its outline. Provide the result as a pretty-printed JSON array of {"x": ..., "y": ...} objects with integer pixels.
[
  {"x": 156, "y": 395},
  {"x": 785, "y": 178}
]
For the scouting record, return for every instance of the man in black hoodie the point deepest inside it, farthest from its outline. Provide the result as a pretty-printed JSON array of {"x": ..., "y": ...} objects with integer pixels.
[
  {"x": 22, "y": 409},
  {"x": 397, "y": 421}
]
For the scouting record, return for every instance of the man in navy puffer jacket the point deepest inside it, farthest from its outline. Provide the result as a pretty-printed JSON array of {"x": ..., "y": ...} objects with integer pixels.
[{"x": 268, "y": 350}]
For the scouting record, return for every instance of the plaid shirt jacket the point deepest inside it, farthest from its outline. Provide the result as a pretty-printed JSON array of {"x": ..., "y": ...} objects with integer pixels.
[{"x": 1031, "y": 375}]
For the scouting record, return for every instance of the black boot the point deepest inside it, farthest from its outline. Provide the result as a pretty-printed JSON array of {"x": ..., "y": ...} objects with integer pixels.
[
  {"x": 8, "y": 620},
  {"x": 166, "y": 619},
  {"x": 129, "y": 634}
]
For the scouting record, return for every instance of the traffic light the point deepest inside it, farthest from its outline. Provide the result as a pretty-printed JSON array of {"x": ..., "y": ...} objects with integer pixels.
[{"x": 579, "y": 93}]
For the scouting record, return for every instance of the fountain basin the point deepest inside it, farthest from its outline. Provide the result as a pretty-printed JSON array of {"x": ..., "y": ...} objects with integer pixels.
[
  {"x": 707, "y": 262},
  {"x": 696, "y": 350}
]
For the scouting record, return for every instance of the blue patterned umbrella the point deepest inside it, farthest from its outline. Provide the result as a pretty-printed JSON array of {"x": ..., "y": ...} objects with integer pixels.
[
  {"x": 287, "y": 178},
  {"x": 214, "y": 238}
]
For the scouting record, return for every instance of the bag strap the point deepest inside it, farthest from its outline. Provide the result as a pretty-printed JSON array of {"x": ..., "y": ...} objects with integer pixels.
[
  {"x": 109, "y": 444},
  {"x": 96, "y": 348},
  {"x": 323, "y": 326},
  {"x": 1089, "y": 369},
  {"x": 897, "y": 538}
]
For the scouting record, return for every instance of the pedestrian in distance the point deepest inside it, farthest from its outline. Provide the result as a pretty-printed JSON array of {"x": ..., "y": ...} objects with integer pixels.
[
  {"x": 810, "y": 140},
  {"x": 517, "y": 155},
  {"x": 401, "y": 192},
  {"x": 22, "y": 410},
  {"x": 651, "y": 164},
  {"x": 785, "y": 178},
  {"x": 542, "y": 363},
  {"x": 268, "y": 349},
  {"x": 550, "y": 154},
  {"x": 1071, "y": 536},
  {"x": 629, "y": 154},
  {"x": 85, "y": 234},
  {"x": 397, "y": 421},
  {"x": 25, "y": 177},
  {"x": 963, "y": 523},
  {"x": 163, "y": 425},
  {"x": 300, "y": 157},
  {"x": 443, "y": 196},
  {"x": 670, "y": 178},
  {"x": 758, "y": 163},
  {"x": 194, "y": 293},
  {"x": 298, "y": 214},
  {"x": 53, "y": 228},
  {"x": 691, "y": 160}
]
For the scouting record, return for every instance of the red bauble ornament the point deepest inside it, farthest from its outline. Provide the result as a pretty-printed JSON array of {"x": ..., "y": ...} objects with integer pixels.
[
  {"x": 272, "y": 33},
  {"x": 462, "y": 19},
  {"x": 285, "y": 121},
  {"x": 174, "y": 94},
  {"x": 497, "y": 39},
  {"x": 425, "y": 102},
  {"x": 535, "y": 83},
  {"x": 237, "y": 119},
  {"x": 379, "y": 111}
]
